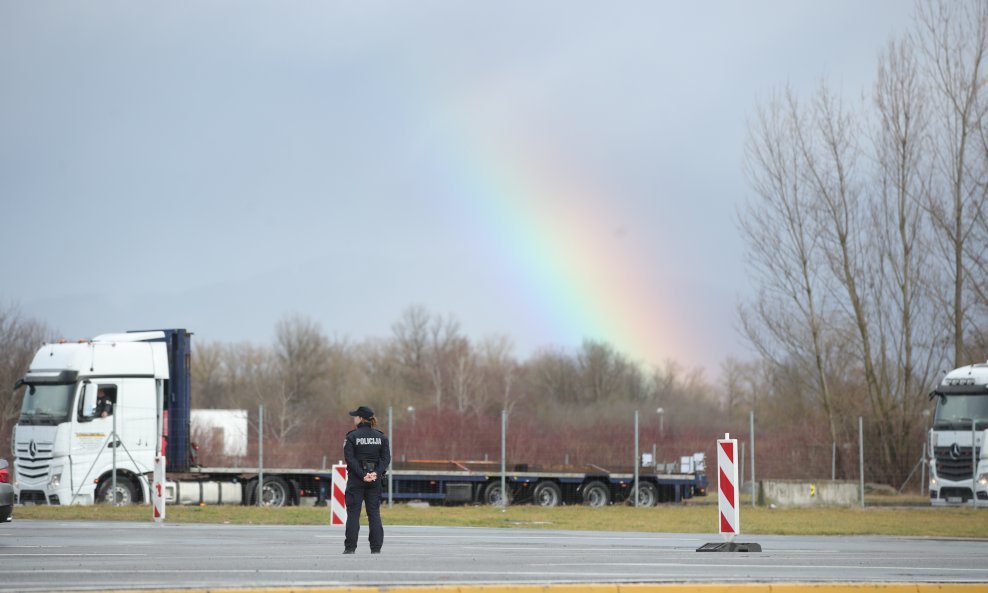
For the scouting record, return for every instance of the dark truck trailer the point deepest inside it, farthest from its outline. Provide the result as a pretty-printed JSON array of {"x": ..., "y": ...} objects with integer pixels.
[
  {"x": 468, "y": 483},
  {"x": 477, "y": 482}
]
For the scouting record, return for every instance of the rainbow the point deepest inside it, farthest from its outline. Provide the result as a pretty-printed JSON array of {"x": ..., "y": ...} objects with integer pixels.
[{"x": 578, "y": 272}]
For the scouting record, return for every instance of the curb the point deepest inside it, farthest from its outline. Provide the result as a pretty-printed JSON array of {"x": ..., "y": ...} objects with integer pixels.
[{"x": 620, "y": 588}]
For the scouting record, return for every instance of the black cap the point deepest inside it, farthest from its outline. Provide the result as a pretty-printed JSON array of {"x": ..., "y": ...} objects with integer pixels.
[{"x": 363, "y": 412}]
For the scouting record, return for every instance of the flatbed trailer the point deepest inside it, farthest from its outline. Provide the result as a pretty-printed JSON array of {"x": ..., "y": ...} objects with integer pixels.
[{"x": 294, "y": 486}]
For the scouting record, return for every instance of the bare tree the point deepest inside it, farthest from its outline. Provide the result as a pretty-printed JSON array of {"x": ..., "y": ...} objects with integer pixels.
[
  {"x": 954, "y": 36},
  {"x": 442, "y": 354},
  {"x": 554, "y": 376},
  {"x": 500, "y": 375},
  {"x": 788, "y": 321},
  {"x": 464, "y": 374},
  {"x": 411, "y": 337},
  {"x": 906, "y": 320},
  {"x": 302, "y": 352},
  {"x": 601, "y": 369},
  {"x": 208, "y": 370}
]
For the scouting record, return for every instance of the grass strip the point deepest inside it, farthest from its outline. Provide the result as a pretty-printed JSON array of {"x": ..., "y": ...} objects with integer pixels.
[{"x": 899, "y": 521}]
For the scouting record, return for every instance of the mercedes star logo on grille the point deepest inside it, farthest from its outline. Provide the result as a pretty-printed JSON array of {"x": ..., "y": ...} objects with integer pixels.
[
  {"x": 955, "y": 451},
  {"x": 32, "y": 449}
]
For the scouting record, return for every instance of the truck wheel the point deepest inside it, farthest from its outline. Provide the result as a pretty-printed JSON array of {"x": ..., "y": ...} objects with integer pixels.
[
  {"x": 547, "y": 494},
  {"x": 596, "y": 494},
  {"x": 125, "y": 494},
  {"x": 492, "y": 493},
  {"x": 648, "y": 495},
  {"x": 275, "y": 493}
]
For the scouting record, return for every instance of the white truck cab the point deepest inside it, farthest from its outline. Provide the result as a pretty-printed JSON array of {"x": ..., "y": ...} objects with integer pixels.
[
  {"x": 75, "y": 394},
  {"x": 958, "y": 465}
]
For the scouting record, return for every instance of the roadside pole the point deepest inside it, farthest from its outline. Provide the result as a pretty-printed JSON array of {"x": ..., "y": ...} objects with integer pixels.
[
  {"x": 260, "y": 455},
  {"x": 504, "y": 480},
  {"x": 754, "y": 486},
  {"x": 391, "y": 435},
  {"x": 974, "y": 464},
  {"x": 636, "y": 459},
  {"x": 861, "y": 456},
  {"x": 741, "y": 472},
  {"x": 833, "y": 461}
]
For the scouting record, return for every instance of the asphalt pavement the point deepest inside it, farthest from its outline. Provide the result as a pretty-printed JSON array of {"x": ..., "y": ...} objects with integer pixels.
[{"x": 78, "y": 555}]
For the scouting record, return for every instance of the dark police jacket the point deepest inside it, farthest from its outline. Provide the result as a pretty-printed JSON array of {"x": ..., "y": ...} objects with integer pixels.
[{"x": 366, "y": 450}]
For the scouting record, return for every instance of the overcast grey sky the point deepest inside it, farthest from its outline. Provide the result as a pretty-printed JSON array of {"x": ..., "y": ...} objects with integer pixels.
[{"x": 541, "y": 170}]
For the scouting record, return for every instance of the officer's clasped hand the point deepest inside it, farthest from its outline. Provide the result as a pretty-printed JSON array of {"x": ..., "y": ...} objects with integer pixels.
[{"x": 370, "y": 476}]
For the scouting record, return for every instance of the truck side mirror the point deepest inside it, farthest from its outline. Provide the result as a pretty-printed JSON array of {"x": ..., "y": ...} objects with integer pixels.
[{"x": 88, "y": 401}]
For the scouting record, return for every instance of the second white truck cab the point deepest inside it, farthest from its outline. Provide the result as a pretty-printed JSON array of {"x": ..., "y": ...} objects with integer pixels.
[{"x": 958, "y": 465}]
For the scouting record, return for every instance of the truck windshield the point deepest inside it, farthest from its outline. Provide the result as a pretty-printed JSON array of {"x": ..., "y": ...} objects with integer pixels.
[
  {"x": 956, "y": 411},
  {"x": 46, "y": 404}
]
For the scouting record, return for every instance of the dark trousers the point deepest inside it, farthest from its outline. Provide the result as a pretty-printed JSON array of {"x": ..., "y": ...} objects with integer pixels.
[{"x": 369, "y": 494}]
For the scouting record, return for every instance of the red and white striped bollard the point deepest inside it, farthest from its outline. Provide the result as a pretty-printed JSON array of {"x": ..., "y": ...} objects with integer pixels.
[
  {"x": 337, "y": 502},
  {"x": 727, "y": 488}
]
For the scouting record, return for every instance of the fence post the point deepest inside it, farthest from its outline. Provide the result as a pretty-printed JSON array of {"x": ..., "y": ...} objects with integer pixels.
[
  {"x": 391, "y": 435},
  {"x": 974, "y": 464},
  {"x": 504, "y": 481},
  {"x": 754, "y": 487},
  {"x": 861, "y": 456},
  {"x": 741, "y": 472},
  {"x": 833, "y": 461},
  {"x": 260, "y": 455},
  {"x": 636, "y": 459}
]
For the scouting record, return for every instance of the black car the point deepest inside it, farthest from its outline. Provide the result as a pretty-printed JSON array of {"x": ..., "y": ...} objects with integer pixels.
[{"x": 6, "y": 492}]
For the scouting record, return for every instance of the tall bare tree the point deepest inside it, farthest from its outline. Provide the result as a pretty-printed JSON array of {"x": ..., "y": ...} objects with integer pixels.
[
  {"x": 302, "y": 352},
  {"x": 788, "y": 322},
  {"x": 601, "y": 371},
  {"x": 954, "y": 36},
  {"x": 907, "y": 321}
]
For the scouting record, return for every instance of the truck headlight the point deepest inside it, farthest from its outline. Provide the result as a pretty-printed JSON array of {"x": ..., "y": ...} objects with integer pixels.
[
  {"x": 983, "y": 480},
  {"x": 55, "y": 481},
  {"x": 933, "y": 482}
]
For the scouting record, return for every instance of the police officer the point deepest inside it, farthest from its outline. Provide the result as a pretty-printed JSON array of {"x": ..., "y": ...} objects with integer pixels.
[{"x": 368, "y": 455}]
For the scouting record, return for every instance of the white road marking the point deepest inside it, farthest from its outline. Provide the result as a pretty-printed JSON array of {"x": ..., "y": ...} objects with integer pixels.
[
  {"x": 42, "y": 555},
  {"x": 517, "y": 537},
  {"x": 757, "y": 566}
]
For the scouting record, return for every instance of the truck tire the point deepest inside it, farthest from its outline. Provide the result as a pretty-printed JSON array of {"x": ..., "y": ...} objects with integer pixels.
[
  {"x": 596, "y": 494},
  {"x": 275, "y": 493},
  {"x": 492, "y": 493},
  {"x": 648, "y": 495},
  {"x": 547, "y": 494},
  {"x": 126, "y": 492}
]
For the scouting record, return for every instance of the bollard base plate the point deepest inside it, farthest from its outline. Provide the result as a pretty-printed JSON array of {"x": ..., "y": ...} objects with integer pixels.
[{"x": 730, "y": 547}]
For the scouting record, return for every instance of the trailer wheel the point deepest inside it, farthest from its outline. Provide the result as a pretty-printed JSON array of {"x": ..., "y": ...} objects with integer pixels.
[
  {"x": 275, "y": 493},
  {"x": 648, "y": 495},
  {"x": 596, "y": 494},
  {"x": 547, "y": 494},
  {"x": 125, "y": 493},
  {"x": 492, "y": 493}
]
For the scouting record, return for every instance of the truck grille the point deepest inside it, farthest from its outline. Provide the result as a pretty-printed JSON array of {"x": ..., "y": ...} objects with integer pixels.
[
  {"x": 34, "y": 466},
  {"x": 954, "y": 463}
]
